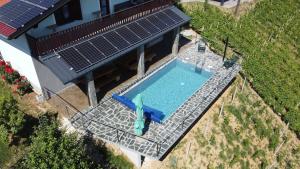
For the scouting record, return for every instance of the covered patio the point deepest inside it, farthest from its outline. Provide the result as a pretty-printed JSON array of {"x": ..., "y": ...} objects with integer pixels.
[{"x": 95, "y": 61}]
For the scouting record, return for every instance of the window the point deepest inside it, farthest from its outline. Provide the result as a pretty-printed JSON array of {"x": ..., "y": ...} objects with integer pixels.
[{"x": 68, "y": 13}]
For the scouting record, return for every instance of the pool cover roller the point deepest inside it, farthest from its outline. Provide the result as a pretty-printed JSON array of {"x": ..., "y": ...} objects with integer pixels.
[{"x": 153, "y": 114}]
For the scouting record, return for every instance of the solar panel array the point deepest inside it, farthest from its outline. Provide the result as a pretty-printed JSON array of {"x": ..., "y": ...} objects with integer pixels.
[
  {"x": 103, "y": 46},
  {"x": 16, "y": 13}
]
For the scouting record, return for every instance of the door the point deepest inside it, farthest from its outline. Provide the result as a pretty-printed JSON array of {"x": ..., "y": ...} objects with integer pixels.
[{"x": 104, "y": 7}]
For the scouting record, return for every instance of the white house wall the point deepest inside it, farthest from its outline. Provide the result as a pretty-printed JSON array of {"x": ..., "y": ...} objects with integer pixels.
[{"x": 18, "y": 54}]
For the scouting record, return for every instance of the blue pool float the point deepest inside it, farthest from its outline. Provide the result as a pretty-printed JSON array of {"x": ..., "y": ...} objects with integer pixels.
[{"x": 153, "y": 114}]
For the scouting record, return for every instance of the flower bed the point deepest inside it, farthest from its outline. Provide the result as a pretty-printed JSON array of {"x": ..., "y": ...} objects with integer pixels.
[{"x": 19, "y": 83}]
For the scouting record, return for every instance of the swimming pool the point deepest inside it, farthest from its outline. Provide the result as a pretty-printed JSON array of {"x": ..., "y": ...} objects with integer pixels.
[{"x": 168, "y": 88}]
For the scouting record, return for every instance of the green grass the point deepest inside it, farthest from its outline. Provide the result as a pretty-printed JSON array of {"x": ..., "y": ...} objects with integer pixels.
[{"x": 268, "y": 38}]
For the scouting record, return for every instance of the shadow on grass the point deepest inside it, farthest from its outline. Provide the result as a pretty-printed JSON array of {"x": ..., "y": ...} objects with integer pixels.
[
  {"x": 99, "y": 154},
  {"x": 23, "y": 136}
]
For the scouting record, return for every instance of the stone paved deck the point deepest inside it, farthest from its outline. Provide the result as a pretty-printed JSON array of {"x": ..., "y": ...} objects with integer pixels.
[{"x": 113, "y": 122}]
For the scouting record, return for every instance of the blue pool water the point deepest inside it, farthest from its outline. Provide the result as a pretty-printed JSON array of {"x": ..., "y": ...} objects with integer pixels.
[{"x": 167, "y": 89}]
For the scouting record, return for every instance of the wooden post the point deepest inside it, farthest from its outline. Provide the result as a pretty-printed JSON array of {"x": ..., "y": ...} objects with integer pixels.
[
  {"x": 233, "y": 96},
  {"x": 237, "y": 7},
  {"x": 222, "y": 2},
  {"x": 206, "y": 128},
  {"x": 205, "y": 5},
  {"x": 225, "y": 50},
  {"x": 188, "y": 150},
  {"x": 221, "y": 110},
  {"x": 244, "y": 83},
  {"x": 278, "y": 148}
]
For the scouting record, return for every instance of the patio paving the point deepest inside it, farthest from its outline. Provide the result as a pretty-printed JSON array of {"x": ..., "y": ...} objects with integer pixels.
[{"x": 111, "y": 121}]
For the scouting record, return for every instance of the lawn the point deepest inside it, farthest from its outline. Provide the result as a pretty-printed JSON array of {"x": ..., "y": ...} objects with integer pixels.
[{"x": 268, "y": 38}]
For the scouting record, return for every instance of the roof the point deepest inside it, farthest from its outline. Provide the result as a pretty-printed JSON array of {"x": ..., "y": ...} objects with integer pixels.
[
  {"x": 75, "y": 60},
  {"x": 18, "y": 16}
]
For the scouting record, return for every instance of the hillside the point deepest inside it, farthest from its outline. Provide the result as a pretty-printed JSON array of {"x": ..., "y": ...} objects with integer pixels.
[
  {"x": 247, "y": 134},
  {"x": 268, "y": 38}
]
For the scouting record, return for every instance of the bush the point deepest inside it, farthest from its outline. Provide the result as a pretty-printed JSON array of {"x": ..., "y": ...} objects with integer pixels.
[
  {"x": 10, "y": 115},
  {"x": 4, "y": 146},
  {"x": 54, "y": 149},
  {"x": 9, "y": 75},
  {"x": 23, "y": 86}
]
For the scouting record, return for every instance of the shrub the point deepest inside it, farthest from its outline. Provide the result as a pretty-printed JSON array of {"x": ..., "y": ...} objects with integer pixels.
[
  {"x": 9, "y": 75},
  {"x": 4, "y": 148},
  {"x": 23, "y": 86},
  {"x": 52, "y": 148},
  {"x": 10, "y": 115}
]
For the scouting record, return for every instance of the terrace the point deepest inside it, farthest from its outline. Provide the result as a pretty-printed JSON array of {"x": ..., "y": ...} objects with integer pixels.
[{"x": 113, "y": 122}]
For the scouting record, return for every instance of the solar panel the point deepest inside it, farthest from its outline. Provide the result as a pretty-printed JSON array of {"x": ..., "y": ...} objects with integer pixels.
[
  {"x": 155, "y": 21},
  {"x": 173, "y": 15},
  {"x": 128, "y": 35},
  {"x": 17, "y": 13},
  {"x": 148, "y": 26},
  {"x": 104, "y": 46},
  {"x": 116, "y": 40},
  {"x": 138, "y": 30},
  {"x": 90, "y": 52},
  {"x": 166, "y": 19},
  {"x": 74, "y": 59},
  {"x": 44, "y": 3}
]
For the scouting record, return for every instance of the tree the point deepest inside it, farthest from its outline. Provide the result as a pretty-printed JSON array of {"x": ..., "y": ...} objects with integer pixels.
[
  {"x": 52, "y": 148},
  {"x": 10, "y": 115}
]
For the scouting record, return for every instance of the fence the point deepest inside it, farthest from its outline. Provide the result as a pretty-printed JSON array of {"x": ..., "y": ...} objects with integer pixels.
[{"x": 44, "y": 44}]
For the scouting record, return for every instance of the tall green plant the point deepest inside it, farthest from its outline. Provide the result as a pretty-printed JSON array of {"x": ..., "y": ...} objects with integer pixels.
[
  {"x": 11, "y": 117},
  {"x": 4, "y": 146}
]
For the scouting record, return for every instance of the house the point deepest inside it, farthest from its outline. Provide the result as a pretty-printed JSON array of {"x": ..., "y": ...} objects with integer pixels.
[{"x": 60, "y": 43}]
